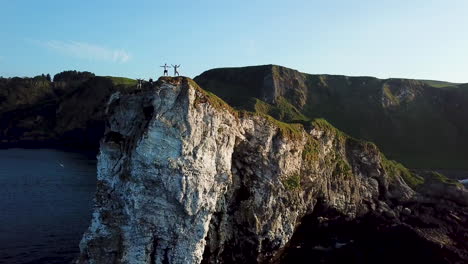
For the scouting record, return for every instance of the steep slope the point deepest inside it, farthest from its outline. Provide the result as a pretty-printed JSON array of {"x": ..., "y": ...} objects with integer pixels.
[
  {"x": 420, "y": 123},
  {"x": 184, "y": 178}
]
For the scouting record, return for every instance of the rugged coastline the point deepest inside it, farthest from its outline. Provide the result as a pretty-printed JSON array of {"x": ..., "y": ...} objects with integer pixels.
[{"x": 184, "y": 178}]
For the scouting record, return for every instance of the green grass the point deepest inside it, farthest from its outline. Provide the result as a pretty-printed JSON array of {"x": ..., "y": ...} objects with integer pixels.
[
  {"x": 438, "y": 177},
  {"x": 311, "y": 150},
  {"x": 292, "y": 131},
  {"x": 207, "y": 96},
  {"x": 395, "y": 169},
  {"x": 292, "y": 182},
  {"x": 282, "y": 110},
  {"x": 324, "y": 125},
  {"x": 260, "y": 106},
  {"x": 285, "y": 111},
  {"x": 440, "y": 84},
  {"x": 342, "y": 168},
  {"x": 389, "y": 95},
  {"x": 122, "y": 81}
]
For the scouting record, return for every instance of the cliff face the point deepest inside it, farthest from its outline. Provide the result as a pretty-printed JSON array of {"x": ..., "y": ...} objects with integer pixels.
[
  {"x": 405, "y": 118},
  {"x": 184, "y": 178}
]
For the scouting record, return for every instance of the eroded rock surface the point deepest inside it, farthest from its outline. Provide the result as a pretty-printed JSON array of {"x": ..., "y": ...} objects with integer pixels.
[{"x": 183, "y": 178}]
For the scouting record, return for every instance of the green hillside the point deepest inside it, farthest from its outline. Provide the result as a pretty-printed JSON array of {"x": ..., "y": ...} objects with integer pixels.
[
  {"x": 419, "y": 123},
  {"x": 122, "y": 81},
  {"x": 440, "y": 84}
]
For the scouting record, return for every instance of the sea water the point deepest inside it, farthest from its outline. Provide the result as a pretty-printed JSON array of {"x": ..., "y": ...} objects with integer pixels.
[{"x": 45, "y": 204}]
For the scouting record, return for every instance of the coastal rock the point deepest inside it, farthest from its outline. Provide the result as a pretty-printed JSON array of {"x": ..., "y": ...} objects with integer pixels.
[{"x": 184, "y": 178}]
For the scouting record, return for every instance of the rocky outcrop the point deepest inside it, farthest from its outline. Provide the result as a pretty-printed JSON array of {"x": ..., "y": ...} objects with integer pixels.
[
  {"x": 396, "y": 92},
  {"x": 268, "y": 83},
  {"x": 184, "y": 178}
]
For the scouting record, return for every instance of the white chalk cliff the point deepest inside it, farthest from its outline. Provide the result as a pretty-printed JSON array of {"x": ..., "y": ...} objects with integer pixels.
[{"x": 183, "y": 178}]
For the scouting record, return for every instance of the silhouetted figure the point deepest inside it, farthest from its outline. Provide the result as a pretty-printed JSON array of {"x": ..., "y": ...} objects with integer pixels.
[
  {"x": 140, "y": 83},
  {"x": 176, "y": 73},
  {"x": 151, "y": 82},
  {"x": 165, "y": 69}
]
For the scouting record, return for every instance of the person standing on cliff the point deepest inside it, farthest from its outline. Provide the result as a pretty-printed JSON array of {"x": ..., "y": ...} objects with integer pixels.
[
  {"x": 176, "y": 73},
  {"x": 165, "y": 69}
]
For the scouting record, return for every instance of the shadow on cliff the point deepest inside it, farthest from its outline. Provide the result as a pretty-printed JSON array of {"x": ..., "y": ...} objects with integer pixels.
[{"x": 325, "y": 237}]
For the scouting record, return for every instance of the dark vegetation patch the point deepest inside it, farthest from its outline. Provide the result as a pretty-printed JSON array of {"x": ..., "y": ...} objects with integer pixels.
[
  {"x": 292, "y": 182},
  {"x": 395, "y": 169},
  {"x": 342, "y": 168},
  {"x": 438, "y": 177},
  {"x": 66, "y": 112}
]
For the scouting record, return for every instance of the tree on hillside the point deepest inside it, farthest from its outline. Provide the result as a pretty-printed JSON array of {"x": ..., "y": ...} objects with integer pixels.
[
  {"x": 67, "y": 76},
  {"x": 48, "y": 77}
]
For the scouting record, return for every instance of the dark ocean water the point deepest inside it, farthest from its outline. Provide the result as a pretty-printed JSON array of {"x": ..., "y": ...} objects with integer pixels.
[{"x": 45, "y": 204}]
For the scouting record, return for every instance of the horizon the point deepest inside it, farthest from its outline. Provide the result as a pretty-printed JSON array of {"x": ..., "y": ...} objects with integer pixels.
[
  {"x": 418, "y": 40},
  {"x": 171, "y": 75}
]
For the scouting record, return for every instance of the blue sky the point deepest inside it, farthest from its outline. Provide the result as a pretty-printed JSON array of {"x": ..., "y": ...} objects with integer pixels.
[{"x": 425, "y": 39}]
